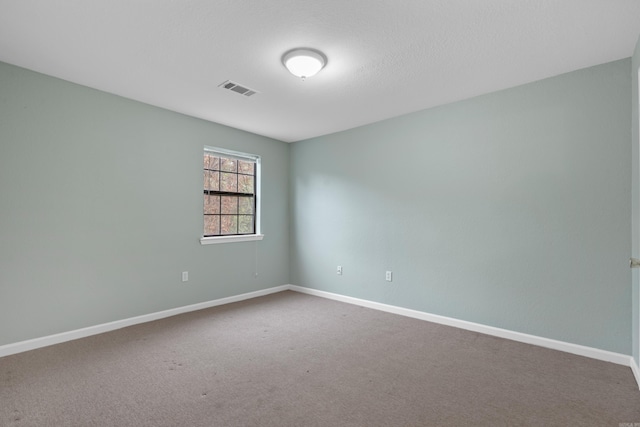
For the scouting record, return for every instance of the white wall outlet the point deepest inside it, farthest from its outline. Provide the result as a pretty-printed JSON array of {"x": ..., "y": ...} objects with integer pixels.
[
  {"x": 339, "y": 270},
  {"x": 388, "y": 276},
  {"x": 185, "y": 276}
]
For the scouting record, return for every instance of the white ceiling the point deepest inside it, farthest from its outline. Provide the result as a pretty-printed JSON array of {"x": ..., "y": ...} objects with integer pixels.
[{"x": 385, "y": 57}]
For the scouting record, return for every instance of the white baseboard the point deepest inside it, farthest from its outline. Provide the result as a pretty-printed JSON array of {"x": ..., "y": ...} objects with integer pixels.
[
  {"x": 635, "y": 370},
  {"x": 594, "y": 353},
  {"x": 32, "y": 344}
]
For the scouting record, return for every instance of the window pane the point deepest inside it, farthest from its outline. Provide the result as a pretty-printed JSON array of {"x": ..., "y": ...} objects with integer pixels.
[
  {"x": 211, "y": 225},
  {"x": 245, "y": 224},
  {"x": 246, "y": 205},
  {"x": 245, "y": 184},
  {"x": 246, "y": 167},
  {"x": 211, "y": 180},
  {"x": 228, "y": 165},
  {"x": 229, "y": 204},
  {"x": 211, "y": 204},
  {"x": 228, "y": 182},
  {"x": 211, "y": 162},
  {"x": 229, "y": 224}
]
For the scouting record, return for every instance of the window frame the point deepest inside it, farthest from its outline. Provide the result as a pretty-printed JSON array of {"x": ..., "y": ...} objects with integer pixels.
[{"x": 236, "y": 155}]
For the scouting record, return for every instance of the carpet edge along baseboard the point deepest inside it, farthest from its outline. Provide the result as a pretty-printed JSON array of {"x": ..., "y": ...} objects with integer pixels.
[
  {"x": 32, "y": 344},
  {"x": 594, "y": 353}
]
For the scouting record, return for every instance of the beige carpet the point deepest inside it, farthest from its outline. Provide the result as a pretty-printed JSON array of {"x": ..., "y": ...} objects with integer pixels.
[{"x": 290, "y": 359}]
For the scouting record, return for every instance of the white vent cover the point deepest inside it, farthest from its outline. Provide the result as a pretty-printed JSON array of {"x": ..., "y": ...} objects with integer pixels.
[{"x": 242, "y": 90}]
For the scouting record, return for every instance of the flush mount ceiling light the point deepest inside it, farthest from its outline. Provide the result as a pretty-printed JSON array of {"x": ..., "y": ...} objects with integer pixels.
[{"x": 303, "y": 62}]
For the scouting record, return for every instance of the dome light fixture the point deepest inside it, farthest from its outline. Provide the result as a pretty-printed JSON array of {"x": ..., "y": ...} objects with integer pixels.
[{"x": 304, "y": 62}]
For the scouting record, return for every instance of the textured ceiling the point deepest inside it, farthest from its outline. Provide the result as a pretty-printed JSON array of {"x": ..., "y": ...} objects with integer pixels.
[{"x": 385, "y": 57}]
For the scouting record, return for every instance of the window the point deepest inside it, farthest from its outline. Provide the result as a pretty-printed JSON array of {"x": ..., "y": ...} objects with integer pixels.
[{"x": 231, "y": 191}]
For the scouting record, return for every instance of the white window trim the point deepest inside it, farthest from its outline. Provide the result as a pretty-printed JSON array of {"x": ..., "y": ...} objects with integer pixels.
[{"x": 212, "y": 240}]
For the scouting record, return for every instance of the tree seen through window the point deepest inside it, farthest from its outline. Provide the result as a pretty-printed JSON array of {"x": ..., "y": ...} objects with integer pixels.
[{"x": 229, "y": 195}]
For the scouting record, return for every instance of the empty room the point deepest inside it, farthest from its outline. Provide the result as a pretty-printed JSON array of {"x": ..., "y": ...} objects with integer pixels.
[{"x": 297, "y": 213}]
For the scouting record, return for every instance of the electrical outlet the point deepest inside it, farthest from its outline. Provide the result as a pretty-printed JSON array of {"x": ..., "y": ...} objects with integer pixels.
[
  {"x": 388, "y": 276},
  {"x": 185, "y": 276},
  {"x": 339, "y": 270}
]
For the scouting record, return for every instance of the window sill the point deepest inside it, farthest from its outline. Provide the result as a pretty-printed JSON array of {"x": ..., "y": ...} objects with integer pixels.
[{"x": 230, "y": 239}]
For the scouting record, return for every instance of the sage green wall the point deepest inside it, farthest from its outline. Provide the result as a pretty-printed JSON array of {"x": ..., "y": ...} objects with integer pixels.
[
  {"x": 101, "y": 209},
  {"x": 510, "y": 209},
  {"x": 635, "y": 142}
]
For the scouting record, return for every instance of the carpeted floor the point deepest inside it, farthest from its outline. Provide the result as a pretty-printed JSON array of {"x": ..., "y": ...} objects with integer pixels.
[{"x": 290, "y": 359}]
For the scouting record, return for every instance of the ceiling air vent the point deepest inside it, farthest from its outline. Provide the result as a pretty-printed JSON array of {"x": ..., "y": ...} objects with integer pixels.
[{"x": 242, "y": 90}]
